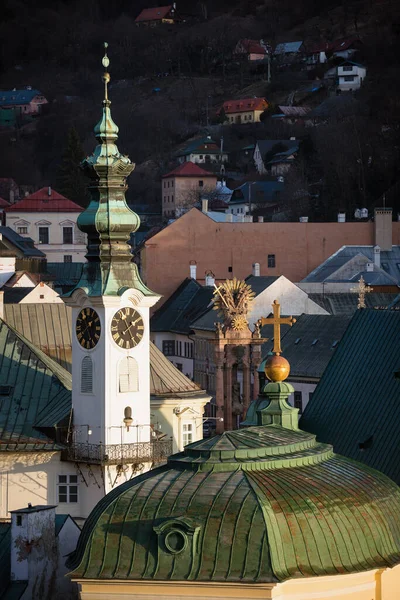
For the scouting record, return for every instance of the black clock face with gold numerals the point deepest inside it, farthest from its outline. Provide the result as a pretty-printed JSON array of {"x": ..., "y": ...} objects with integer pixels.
[
  {"x": 88, "y": 328},
  {"x": 127, "y": 328}
]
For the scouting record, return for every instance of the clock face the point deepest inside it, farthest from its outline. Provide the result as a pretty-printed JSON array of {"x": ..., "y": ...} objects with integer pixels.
[
  {"x": 127, "y": 328},
  {"x": 88, "y": 328}
]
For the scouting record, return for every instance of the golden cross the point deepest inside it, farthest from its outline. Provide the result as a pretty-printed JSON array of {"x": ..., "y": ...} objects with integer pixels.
[
  {"x": 277, "y": 321},
  {"x": 362, "y": 289}
]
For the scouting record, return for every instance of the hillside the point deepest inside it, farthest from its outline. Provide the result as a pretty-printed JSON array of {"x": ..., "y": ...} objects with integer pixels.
[{"x": 168, "y": 82}]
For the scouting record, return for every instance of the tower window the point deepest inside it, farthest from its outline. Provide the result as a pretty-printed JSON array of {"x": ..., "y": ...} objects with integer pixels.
[
  {"x": 128, "y": 375},
  {"x": 87, "y": 376}
]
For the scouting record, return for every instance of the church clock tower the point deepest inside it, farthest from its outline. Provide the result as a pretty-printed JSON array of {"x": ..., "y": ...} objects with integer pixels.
[{"x": 110, "y": 322}]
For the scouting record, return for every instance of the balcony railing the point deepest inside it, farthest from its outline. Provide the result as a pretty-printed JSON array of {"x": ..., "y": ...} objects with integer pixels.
[{"x": 117, "y": 454}]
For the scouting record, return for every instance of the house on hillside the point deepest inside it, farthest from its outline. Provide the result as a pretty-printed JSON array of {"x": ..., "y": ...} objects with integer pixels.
[
  {"x": 263, "y": 196},
  {"x": 275, "y": 156},
  {"x": 50, "y": 220},
  {"x": 183, "y": 187},
  {"x": 251, "y": 49},
  {"x": 23, "y": 102},
  {"x": 293, "y": 114},
  {"x": 350, "y": 76},
  {"x": 320, "y": 52},
  {"x": 202, "y": 150},
  {"x": 156, "y": 16},
  {"x": 247, "y": 110},
  {"x": 288, "y": 53}
]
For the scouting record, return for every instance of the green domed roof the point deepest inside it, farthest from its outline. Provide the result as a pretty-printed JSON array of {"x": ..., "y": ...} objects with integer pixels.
[{"x": 262, "y": 504}]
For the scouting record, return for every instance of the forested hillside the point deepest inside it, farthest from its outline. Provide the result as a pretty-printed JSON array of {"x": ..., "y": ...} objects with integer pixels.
[{"x": 168, "y": 82}]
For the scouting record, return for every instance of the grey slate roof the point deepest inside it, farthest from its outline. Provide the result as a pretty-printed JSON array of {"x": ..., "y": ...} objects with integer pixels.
[
  {"x": 188, "y": 301},
  {"x": 346, "y": 303},
  {"x": 23, "y": 244},
  {"x": 14, "y": 295},
  {"x": 261, "y": 192},
  {"x": 31, "y": 384},
  {"x": 390, "y": 265},
  {"x": 288, "y": 47},
  {"x": 210, "y": 316},
  {"x": 309, "y": 344},
  {"x": 357, "y": 401},
  {"x": 13, "y": 97}
]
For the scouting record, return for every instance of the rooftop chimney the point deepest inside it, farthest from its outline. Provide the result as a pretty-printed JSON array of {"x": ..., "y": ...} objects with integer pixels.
[
  {"x": 377, "y": 256},
  {"x": 193, "y": 271},
  {"x": 210, "y": 279},
  {"x": 256, "y": 269},
  {"x": 369, "y": 267},
  {"x": 341, "y": 218},
  {"x": 303, "y": 219},
  {"x": 261, "y": 219},
  {"x": 383, "y": 228},
  {"x": 229, "y": 218},
  {"x": 204, "y": 205},
  {"x": 49, "y": 191}
]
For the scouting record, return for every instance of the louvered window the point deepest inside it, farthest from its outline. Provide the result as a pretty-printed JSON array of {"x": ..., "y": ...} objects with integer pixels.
[
  {"x": 128, "y": 375},
  {"x": 87, "y": 376}
]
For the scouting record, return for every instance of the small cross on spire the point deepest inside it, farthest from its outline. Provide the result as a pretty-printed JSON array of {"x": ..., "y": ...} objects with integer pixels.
[
  {"x": 361, "y": 290},
  {"x": 276, "y": 321}
]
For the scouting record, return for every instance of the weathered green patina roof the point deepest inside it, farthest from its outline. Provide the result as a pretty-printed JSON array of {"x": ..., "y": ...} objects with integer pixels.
[
  {"x": 356, "y": 405},
  {"x": 34, "y": 390},
  {"x": 262, "y": 504}
]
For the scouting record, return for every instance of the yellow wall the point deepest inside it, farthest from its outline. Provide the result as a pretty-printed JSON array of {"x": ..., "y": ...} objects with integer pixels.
[{"x": 383, "y": 584}]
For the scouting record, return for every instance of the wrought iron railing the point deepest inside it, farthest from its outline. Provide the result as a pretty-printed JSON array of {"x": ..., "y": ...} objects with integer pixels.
[{"x": 116, "y": 454}]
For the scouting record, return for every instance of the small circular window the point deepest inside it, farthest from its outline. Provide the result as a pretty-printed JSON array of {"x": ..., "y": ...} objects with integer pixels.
[{"x": 175, "y": 541}]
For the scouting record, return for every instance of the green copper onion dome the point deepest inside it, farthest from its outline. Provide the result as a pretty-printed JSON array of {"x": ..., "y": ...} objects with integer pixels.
[
  {"x": 108, "y": 221},
  {"x": 262, "y": 504}
]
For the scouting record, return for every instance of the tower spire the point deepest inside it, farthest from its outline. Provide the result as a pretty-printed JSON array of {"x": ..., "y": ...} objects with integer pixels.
[{"x": 108, "y": 221}]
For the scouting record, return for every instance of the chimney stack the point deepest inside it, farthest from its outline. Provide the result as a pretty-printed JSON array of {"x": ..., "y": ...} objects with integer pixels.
[
  {"x": 369, "y": 267},
  {"x": 256, "y": 269},
  {"x": 261, "y": 219},
  {"x": 303, "y": 219},
  {"x": 204, "y": 205},
  {"x": 229, "y": 218},
  {"x": 49, "y": 190},
  {"x": 383, "y": 228},
  {"x": 210, "y": 279},
  {"x": 341, "y": 218},
  {"x": 193, "y": 271},
  {"x": 377, "y": 256}
]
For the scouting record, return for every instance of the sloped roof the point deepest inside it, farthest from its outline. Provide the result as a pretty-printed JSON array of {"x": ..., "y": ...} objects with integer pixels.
[
  {"x": 261, "y": 192},
  {"x": 23, "y": 244},
  {"x": 42, "y": 201},
  {"x": 309, "y": 344},
  {"x": 65, "y": 275},
  {"x": 189, "y": 169},
  {"x": 346, "y": 303},
  {"x": 47, "y": 326},
  {"x": 265, "y": 146},
  {"x": 336, "y": 46},
  {"x": 153, "y": 14},
  {"x": 3, "y": 203},
  {"x": 31, "y": 383},
  {"x": 251, "y": 47},
  {"x": 165, "y": 378},
  {"x": 288, "y": 47},
  {"x": 14, "y": 295},
  {"x": 294, "y": 111},
  {"x": 188, "y": 301},
  {"x": 204, "y": 145},
  {"x": 5, "y": 556},
  {"x": 358, "y": 398},
  {"x": 13, "y": 97},
  {"x": 390, "y": 264},
  {"x": 244, "y": 105},
  {"x": 261, "y": 504}
]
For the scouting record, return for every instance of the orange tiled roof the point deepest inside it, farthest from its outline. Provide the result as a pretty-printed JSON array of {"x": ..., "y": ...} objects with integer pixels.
[
  {"x": 42, "y": 201},
  {"x": 244, "y": 105}
]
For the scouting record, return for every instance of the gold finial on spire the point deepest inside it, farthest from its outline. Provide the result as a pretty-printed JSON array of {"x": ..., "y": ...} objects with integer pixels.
[
  {"x": 361, "y": 290},
  {"x": 277, "y": 368},
  {"x": 106, "y": 75}
]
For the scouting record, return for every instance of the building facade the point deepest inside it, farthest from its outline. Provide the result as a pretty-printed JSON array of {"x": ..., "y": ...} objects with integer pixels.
[
  {"x": 183, "y": 187},
  {"x": 50, "y": 220},
  {"x": 350, "y": 76},
  {"x": 247, "y": 110}
]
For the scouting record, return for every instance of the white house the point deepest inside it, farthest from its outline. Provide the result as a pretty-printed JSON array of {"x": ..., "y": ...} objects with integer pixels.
[
  {"x": 49, "y": 219},
  {"x": 350, "y": 76}
]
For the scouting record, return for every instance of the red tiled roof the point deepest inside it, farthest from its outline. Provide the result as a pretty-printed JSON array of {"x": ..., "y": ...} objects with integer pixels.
[
  {"x": 244, "y": 105},
  {"x": 189, "y": 169},
  {"x": 3, "y": 203},
  {"x": 153, "y": 14},
  {"x": 252, "y": 46},
  {"x": 42, "y": 201},
  {"x": 336, "y": 46}
]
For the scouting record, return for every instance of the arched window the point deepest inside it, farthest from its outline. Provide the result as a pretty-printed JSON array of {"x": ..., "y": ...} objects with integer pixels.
[
  {"x": 128, "y": 375},
  {"x": 87, "y": 376}
]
